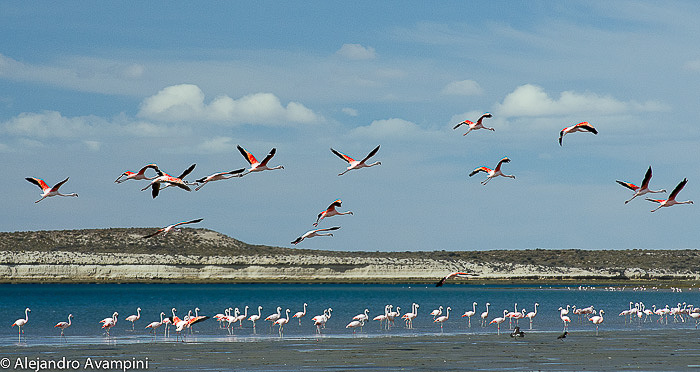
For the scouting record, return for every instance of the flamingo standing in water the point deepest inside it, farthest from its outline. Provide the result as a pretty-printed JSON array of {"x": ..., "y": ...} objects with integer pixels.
[
  {"x": 255, "y": 317},
  {"x": 382, "y": 317},
  {"x": 241, "y": 317},
  {"x": 531, "y": 315},
  {"x": 391, "y": 315},
  {"x": 442, "y": 319},
  {"x": 437, "y": 312},
  {"x": 597, "y": 319},
  {"x": 566, "y": 321},
  {"x": 363, "y": 317},
  {"x": 470, "y": 313},
  {"x": 580, "y": 127},
  {"x": 300, "y": 314},
  {"x": 354, "y": 164},
  {"x": 46, "y": 190},
  {"x": 458, "y": 274},
  {"x": 21, "y": 322},
  {"x": 282, "y": 321},
  {"x": 255, "y": 165},
  {"x": 272, "y": 318},
  {"x": 169, "y": 180},
  {"x": 64, "y": 325},
  {"x": 671, "y": 201},
  {"x": 474, "y": 126},
  {"x": 491, "y": 173},
  {"x": 354, "y": 324},
  {"x": 313, "y": 233},
  {"x": 331, "y": 211},
  {"x": 133, "y": 318},
  {"x": 485, "y": 315},
  {"x": 218, "y": 177},
  {"x": 153, "y": 325},
  {"x": 173, "y": 227},
  {"x": 640, "y": 190},
  {"x": 410, "y": 316},
  {"x": 108, "y": 323},
  {"x": 140, "y": 175},
  {"x": 499, "y": 320}
]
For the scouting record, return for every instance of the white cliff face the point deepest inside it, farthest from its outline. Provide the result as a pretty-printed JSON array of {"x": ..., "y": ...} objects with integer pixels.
[{"x": 33, "y": 266}]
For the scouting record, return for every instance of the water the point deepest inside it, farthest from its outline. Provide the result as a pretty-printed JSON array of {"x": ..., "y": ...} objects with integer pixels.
[{"x": 89, "y": 303}]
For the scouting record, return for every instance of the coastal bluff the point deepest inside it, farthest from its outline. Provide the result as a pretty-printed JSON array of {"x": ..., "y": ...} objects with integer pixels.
[{"x": 121, "y": 255}]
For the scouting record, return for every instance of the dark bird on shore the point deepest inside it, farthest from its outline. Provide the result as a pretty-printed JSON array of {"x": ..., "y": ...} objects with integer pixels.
[
  {"x": 451, "y": 275},
  {"x": 517, "y": 333},
  {"x": 562, "y": 336}
]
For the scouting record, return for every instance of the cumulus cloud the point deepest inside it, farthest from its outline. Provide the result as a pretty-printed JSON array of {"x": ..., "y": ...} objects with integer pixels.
[
  {"x": 462, "y": 88},
  {"x": 349, "y": 111},
  {"x": 357, "y": 52},
  {"x": 532, "y": 100},
  {"x": 389, "y": 128},
  {"x": 185, "y": 102},
  {"x": 50, "y": 124}
]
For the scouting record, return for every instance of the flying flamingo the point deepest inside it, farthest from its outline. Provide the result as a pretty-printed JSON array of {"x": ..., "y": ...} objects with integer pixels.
[
  {"x": 354, "y": 164},
  {"x": 672, "y": 197},
  {"x": 46, "y": 190},
  {"x": 499, "y": 320},
  {"x": 437, "y": 312},
  {"x": 108, "y": 323},
  {"x": 255, "y": 317},
  {"x": 133, "y": 318},
  {"x": 255, "y": 165},
  {"x": 640, "y": 190},
  {"x": 140, "y": 175},
  {"x": 491, "y": 173},
  {"x": 64, "y": 325},
  {"x": 477, "y": 125},
  {"x": 313, "y": 233},
  {"x": 331, "y": 211},
  {"x": 485, "y": 315},
  {"x": 442, "y": 319},
  {"x": 282, "y": 321},
  {"x": 470, "y": 313},
  {"x": 169, "y": 181},
  {"x": 173, "y": 227},
  {"x": 218, "y": 176},
  {"x": 153, "y": 325},
  {"x": 597, "y": 319},
  {"x": 300, "y": 314},
  {"x": 21, "y": 322},
  {"x": 450, "y": 275},
  {"x": 531, "y": 315},
  {"x": 580, "y": 127}
]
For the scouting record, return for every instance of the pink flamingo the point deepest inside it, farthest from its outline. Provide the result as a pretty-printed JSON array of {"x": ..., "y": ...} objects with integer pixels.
[
  {"x": 218, "y": 177},
  {"x": 640, "y": 190},
  {"x": 21, "y": 322},
  {"x": 169, "y": 181},
  {"x": 531, "y": 315},
  {"x": 408, "y": 317},
  {"x": 491, "y": 173},
  {"x": 272, "y": 318},
  {"x": 241, "y": 317},
  {"x": 458, "y": 274},
  {"x": 354, "y": 324},
  {"x": 255, "y": 317},
  {"x": 133, "y": 318},
  {"x": 597, "y": 320},
  {"x": 64, "y": 325},
  {"x": 48, "y": 191},
  {"x": 331, "y": 211},
  {"x": 499, "y": 320},
  {"x": 354, "y": 164},
  {"x": 442, "y": 319},
  {"x": 437, "y": 312},
  {"x": 470, "y": 313},
  {"x": 153, "y": 325},
  {"x": 300, "y": 314},
  {"x": 108, "y": 323},
  {"x": 474, "y": 126},
  {"x": 140, "y": 175},
  {"x": 580, "y": 127},
  {"x": 382, "y": 317},
  {"x": 485, "y": 315},
  {"x": 281, "y": 322},
  {"x": 671, "y": 201},
  {"x": 314, "y": 233},
  {"x": 566, "y": 321},
  {"x": 172, "y": 227},
  {"x": 255, "y": 165}
]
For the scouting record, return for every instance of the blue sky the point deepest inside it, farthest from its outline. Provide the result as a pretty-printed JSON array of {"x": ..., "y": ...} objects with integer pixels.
[{"x": 91, "y": 89}]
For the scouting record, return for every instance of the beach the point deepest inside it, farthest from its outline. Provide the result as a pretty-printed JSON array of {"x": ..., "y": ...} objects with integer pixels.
[{"x": 667, "y": 350}]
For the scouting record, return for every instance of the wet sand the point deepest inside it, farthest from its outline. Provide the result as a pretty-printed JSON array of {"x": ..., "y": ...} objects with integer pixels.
[{"x": 658, "y": 350}]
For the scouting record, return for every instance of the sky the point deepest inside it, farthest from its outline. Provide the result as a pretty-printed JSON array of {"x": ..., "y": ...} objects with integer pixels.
[{"x": 89, "y": 90}]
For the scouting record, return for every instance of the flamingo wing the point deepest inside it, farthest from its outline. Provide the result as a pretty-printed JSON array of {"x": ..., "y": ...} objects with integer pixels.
[
  {"x": 328, "y": 229},
  {"x": 647, "y": 177},
  {"x": 335, "y": 204},
  {"x": 343, "y": 156},
  {"x": 153, "y": 234},
  {"x": 39, "y": 182},
  {"x": 678, "y": 189},
  {"x": 466, "y": 122},
  {"x": 587, "y": 126},
  {"x": 371, "y": 153},
  {"x": 248, "y": 156},
  {"x": 298, "y": 240},
  {"x": 561, "y": 135},
  {"x": 441, "y": 282},
  {"x": 268, "y": 157},
  {"x": 186, "y": 222},
  {"x": 480, "y": 169},
  {"x": 152, "y": 166},
  {"x": 55, "y": 188},
  {"x": 628, "y": 185},
  {"x": 187, "y": 171},
  {"x": 485, "y": 115}
]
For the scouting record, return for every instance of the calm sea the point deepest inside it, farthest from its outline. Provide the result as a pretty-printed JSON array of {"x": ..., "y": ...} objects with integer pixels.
[{"x": 89, "y": 303}]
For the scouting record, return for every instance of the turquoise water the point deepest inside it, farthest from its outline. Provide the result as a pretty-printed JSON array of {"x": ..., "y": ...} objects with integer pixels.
[{"x": 89, "y": 303}]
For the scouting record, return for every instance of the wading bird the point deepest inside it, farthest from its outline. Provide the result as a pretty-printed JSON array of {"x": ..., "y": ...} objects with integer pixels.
[
  {"x": 46, "y": 190},
  {"x": 640, "y": 190},
  {"x": 485, "y": 315},
  {"x": 331, "y": 211},
  {"x": 169, "y": 180},
  {"x": 354, "y": 164},
  {"x": 133, "y": 318},
  {"x": 468, "y": 314},
  {"x": 218, "y": 176},
  {"x": 517, "y": 333},
  {"x": 108, "y": 323},
  {"x": 173, "y": 227},
  {"x": 21, "y": 322},
  {"x": 255, "y": 165},
  {"x": 671, "y": 198},
  {"x": 140, "y": 175},
  {"x": 282, "y": 321},
  {"x": 531, "y": 315},
  {"x": 64, "y": 325},
  {"x": 444, "y": 318},
  {"x": 499, "y": 320},
  {"x": 255, "y": 317},
  {"x": 580, "y": 127},
  {"x": 449, "y": 276},
  {"x": 153, "y": 325},
  {"x": 597, "y": 320},
  {"x": 300, "y": 314},
  {"x": 313, "y": 233},
  {"x": 491, "y": 173},
  {"x": 474, "y": 126}
]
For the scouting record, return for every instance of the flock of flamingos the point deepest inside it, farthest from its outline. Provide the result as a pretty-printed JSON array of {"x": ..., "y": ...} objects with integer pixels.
[{"x": 636, "y": 312}]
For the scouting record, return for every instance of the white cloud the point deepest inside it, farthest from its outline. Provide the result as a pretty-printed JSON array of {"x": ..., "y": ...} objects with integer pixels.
[
  {"x": 357, "y": 52},
  {"x": 532, "y": 100},
  {"x": 50, "y": 124},
  {"x": 93, "y": 145},
  {"x": 462, "y": 88},
  {"x": 217, "y": 145},
  {"x": 185, "y": 102},
  {"x": 389, "y": 128},
  {"x": 349, "y": 111}
]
